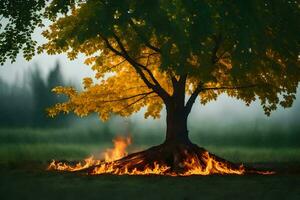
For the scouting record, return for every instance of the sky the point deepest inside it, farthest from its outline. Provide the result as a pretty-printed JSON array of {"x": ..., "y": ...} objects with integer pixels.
[{"x": 72, "y": 70}]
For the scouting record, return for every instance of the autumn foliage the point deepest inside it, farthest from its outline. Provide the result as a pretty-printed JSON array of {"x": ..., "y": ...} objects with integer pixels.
[{"x": 140, "y": 51}]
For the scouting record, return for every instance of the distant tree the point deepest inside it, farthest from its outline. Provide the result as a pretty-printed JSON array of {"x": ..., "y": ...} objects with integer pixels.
[
  {"x": 42, "y": 96},
  {"x": 23, "y": 104},
  {"x": 154, "y": 53},
  {"x": 16, "y": 105},
  {"x": 2, "y": 87},
  {"x": 54, "y": 78}
]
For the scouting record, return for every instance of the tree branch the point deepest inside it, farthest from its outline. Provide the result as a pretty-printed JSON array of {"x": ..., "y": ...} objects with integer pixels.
[
  {"x": 127, "y": 89},
  {"x": 126, "y": 98},
  {"x": 143, "y": 38},
  {"x": 139, "y": 67},
  {"x": 200, "y": 88},
  {"x": 214, "y": 59},
  {"x": 129, "y": 105},
  {"x": 174, "y": 81},
  {"x": 230, "y": 87},
  {"x": 182, "y": 79},
  {"x": 139, "y": 71},
  {"x": 116, "y": 65},
  {"x": 148, "y": 56},
  {"x": 193, "y": 97},
  {"x": 126, "y": 57},
  {"x": 108, "y": 45}
]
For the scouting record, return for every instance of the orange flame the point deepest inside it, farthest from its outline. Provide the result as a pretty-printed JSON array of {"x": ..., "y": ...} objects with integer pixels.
[
  {"x": 112, "y": 165},
  {"x": 88, "y": 162},
  {"x": 119, "y": 150},
  {"x": 191, "y": 165}
]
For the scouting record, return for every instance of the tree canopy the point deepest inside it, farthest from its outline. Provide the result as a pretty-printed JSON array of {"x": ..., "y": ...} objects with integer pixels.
[{"x": 146, "y": 53}]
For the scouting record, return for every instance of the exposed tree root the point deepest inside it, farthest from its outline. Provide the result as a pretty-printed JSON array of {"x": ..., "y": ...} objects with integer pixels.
[{"x": 170, "y": 159}]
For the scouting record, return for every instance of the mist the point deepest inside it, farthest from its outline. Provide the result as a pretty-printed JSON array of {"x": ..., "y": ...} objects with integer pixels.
[{"x": 226, "y": 121}]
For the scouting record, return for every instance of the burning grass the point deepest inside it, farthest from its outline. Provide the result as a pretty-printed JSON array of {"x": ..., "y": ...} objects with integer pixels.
[{"x": 165, "y": 159}]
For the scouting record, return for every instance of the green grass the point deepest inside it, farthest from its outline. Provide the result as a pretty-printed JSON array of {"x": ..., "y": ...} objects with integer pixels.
[
  {"x": 25, "y": 153},
  {"x": 257, "y": 154},
  {"x": 23, "y": 144},
  {"x": 35, "y": 184},
  {"x": 46, "y": 152}
]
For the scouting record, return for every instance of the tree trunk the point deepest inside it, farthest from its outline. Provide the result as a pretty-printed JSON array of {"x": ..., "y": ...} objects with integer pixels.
[{"x": 177, "y": 132}]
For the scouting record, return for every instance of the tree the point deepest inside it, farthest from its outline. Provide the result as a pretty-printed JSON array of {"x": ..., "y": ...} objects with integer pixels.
[
  {"x": 35, "y": 93},
  {"x": 42, "y": 96},
  {"x": 155, "y": 53},
  {"x": 12, "y": 109},
  {"x": 19, "y": 18}
]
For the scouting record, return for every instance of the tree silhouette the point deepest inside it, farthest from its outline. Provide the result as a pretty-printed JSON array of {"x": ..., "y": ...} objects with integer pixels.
[
  {"x": 54, "y": 78},
  {"x": 16, "y": 105},
  {"x": 24, "y": 104},
  {"x": 42, "y": 96},
  {"x": 154, "y": 53}
]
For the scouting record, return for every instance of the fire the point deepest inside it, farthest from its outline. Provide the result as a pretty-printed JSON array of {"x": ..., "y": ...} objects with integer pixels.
[
  {"x": 119, "y": 150},
  {"x": 191, "y": 166},
  {"x": 88, "y": 162},
  {"x": 211, "y": 167},
  {"x": 114, "y": 163}
]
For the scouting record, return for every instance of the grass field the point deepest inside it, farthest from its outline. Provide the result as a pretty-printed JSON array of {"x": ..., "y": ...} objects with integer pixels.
[
  {"x": 24, "y": 183},
  {"x": 25, "y": 153},
  {"x": 25, "y": 144}
]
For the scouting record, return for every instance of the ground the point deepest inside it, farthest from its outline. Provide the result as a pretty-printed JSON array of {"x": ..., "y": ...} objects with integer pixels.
[
  {"x": 25, "y": 182},
  {"x": 25, "y": 153}
]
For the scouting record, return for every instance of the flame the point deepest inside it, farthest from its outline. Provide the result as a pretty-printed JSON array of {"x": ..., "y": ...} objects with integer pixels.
[
  {"x": 212, "y": 166},
  {"x": 191, "y": 165},
  {"x": 203, "y": 164},
  {"x": 88, "y": 162},
  {"x": 112, "y": 169},
  {"x": 119, "y": 150}
]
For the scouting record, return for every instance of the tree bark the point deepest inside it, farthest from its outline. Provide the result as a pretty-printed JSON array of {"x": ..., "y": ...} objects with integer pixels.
[
  {"x": 177, "y": 132},
  {"x": 177, "y": 115}
]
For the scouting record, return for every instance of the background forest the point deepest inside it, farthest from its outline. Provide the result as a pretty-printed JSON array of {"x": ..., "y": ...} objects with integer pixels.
[
  {"x": 27, "y": 133},
  {"x": 24, "y": 103}
]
